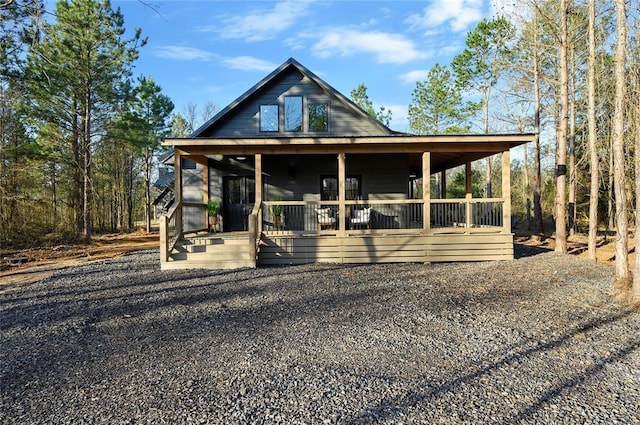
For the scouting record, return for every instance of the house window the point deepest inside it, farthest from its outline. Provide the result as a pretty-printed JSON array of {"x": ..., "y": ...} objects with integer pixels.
[
  {"x": 293, "y": 113},
  {"x": 268, "y": 117},
  {"x": 318, "y": 117},
  {"x": 329, "y": 188},
  {"x": 187, "y": 164}
]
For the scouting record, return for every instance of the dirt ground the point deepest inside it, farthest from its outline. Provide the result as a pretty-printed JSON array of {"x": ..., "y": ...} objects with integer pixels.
[
  {"x": 577, "y": 245},
  {"x": 30, "y": 265},
  {"x": 26, "y": 266}
]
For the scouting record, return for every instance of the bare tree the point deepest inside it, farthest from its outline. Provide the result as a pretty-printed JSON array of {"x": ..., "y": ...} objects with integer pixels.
[
  {"x": 634, "y": 296},
  {"x": 621, "y": 244},
  {"x": 591, "y": 122},
  {"x": 561, "y": 149},
  {"x": 537, "y": 172}
]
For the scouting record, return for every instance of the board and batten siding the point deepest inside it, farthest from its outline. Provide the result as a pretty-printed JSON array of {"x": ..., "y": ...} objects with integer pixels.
[
  {"x": 385, "y": 248},
  {"x": 244, "y": 121}
]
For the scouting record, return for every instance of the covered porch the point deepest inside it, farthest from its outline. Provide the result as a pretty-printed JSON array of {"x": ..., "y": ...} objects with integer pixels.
[{"x": 342, "y": 199}]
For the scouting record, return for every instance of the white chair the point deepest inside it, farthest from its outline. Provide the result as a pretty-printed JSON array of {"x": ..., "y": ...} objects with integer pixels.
[
  {"x": 325, "y": 219},
  {"x": 361, "y": 218}
]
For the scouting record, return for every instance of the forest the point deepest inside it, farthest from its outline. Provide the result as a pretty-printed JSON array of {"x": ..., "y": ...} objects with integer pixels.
[{"x": 80, "y": 133}]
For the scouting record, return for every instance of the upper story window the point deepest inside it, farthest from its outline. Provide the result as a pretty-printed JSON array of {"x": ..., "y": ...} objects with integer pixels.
[
  {"x": 319, "y": 117},
  {"x": 269, "y": 118},
  {"x": 293, "y": 113}
]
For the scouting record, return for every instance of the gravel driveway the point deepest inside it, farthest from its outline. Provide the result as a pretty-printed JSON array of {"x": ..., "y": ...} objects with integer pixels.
[{"x": 534, "y": 340}]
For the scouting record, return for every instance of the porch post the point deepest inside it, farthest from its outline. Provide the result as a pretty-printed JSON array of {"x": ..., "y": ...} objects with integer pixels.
[
  {"x": 342, "y": 209},
  {"x": 506, "y": 192},
  {"x": 443, "y": 184},
  {"x": 177, "y": 170},
  {"x": 205, "y": 192},
  {"x": 426, "y": 191},
  {"x": 468, "y": 194},
  {"x": 258, "y": 179}
]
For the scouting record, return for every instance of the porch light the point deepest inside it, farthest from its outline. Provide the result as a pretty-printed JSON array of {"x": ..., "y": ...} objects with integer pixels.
[{"x": 241, "y": 158}]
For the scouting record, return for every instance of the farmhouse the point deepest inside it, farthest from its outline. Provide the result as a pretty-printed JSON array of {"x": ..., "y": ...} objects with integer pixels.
[{"x": 302, "y": 174}]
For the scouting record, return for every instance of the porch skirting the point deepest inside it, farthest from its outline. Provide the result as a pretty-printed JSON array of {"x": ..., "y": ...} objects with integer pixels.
[{"x": 296, "y": 249}]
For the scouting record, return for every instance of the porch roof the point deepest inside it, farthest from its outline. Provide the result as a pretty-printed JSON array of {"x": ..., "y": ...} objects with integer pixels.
[{"x": 447, "y": 151}]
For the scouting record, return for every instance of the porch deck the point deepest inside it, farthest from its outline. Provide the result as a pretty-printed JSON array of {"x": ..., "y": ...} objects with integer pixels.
[{"x": 457, "y": 230}]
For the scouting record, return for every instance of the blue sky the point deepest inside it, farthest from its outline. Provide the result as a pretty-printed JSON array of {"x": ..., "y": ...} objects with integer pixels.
[{"x": 213, "y": 51}]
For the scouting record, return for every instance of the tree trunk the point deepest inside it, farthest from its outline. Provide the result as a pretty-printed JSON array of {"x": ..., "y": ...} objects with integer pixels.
[
  {"x": 611, "y": 222},
  {"x": 634, "y": 296},
  {"x": 591, "y": 121},
  {"x": 561, "y": 164},
  {"x": 621, "y": 245},
  {"x": 572, "y": 146},
  {"x": 537, "y": 172},
  {"x": 147, "y": 189},
  {"x": 86, "y": 168}
]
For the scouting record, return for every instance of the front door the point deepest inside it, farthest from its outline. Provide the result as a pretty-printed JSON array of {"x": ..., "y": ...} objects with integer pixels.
[{"x": 239, "y": 197}]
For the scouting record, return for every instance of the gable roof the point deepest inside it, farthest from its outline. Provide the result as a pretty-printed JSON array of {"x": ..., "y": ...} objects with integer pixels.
[{"x": 283, "y": 69}]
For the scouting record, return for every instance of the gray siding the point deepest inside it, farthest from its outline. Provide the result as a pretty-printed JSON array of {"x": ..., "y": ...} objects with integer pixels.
[
  {"x": 193, "y": 217},
  {"x": 298, "y": 177},
  {"x": 192, "y": 184},
  {"x": 244, "y": 120}
]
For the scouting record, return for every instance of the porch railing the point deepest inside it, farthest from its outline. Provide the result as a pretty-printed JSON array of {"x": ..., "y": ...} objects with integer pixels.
[
  {"x": 468, "y": 214},
  {"x": 322, "y": 217}
]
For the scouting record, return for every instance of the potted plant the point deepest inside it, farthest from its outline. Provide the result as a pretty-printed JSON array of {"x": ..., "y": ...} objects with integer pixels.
[
  {"x": 213, "y": 209},
  {"x": 276, "y": 212}
]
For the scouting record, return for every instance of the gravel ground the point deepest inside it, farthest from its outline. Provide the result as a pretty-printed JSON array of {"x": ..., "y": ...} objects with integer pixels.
[{"x": 534, "y": 340}]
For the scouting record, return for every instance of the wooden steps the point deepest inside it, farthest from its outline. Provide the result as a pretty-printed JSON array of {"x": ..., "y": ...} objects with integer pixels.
[{"x": 211, "y": 251}]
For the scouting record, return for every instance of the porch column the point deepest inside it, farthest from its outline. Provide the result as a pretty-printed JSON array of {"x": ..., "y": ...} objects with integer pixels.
[
  {"x": 506, "y": 192},
  {"x": 258, "y": 179},
  {"x": 342, "y": 197},
  {"x": 426, "y": 191},
  {"x": 443, "y": 184},
  {"x": 177, "y": 171},
  {"x": 468, "y": 194},
  {"x": 205, "y": 192}
]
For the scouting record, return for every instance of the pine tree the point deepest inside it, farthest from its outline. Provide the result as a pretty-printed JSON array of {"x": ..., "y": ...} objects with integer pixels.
[
  {"x": 79, "y": 76},
  {"x": 436, "y": 105}
]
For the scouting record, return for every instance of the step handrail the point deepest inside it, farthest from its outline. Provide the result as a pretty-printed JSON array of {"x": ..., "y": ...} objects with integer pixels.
[
  {"x": 255, "y": 231},
  {"x": 167, "y": 240}
]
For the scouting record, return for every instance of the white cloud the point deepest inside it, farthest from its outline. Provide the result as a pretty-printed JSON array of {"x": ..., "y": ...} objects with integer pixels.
[
  {"x": 248, "y": 63},
  {"x": 262, "y": 24},
  {"x": 457, "y": 14},
  {"x": 413, "y": 76},
  {"x": 386, "y": 47},
  {"x": 183, "y": 53}
]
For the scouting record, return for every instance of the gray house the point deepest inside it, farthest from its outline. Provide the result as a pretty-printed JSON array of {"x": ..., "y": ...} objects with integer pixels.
[{"x": 304, "y": 175}]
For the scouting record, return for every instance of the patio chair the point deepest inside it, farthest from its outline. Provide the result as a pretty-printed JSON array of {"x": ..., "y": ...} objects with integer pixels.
[
  {"x": 361, "y": 218},
  {"x": 326, "y": 219}
]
